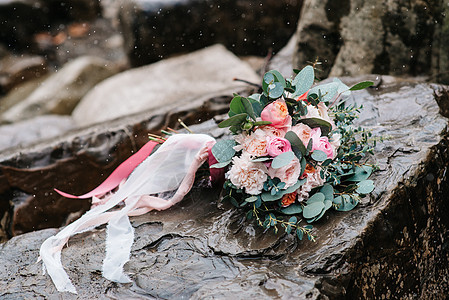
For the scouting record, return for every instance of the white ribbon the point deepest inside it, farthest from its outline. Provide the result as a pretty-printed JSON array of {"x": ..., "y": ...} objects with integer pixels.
[{"x": 171, "y": 167}]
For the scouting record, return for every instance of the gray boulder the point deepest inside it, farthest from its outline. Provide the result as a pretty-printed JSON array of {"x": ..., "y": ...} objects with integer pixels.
[
  {"x": 61, "y": 92},
  {"x": 387, "y": 37},
  {"x": 172, "y": 84},
  {"x": 392, "y": 245}
]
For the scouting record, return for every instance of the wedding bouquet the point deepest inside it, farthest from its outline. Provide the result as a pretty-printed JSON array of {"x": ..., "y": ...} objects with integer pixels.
[
  {"x": 295, "y": 152},
  {"x": 294, "y": 155}
]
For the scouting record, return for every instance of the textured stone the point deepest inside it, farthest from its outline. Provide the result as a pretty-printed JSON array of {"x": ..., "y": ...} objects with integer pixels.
[
  {"x": 155, "y": 29},
  {"x": 62, "y": 91},
  {"x": 23, "y": 134},
  {"x": 15, "y": 70},
  {"x": 167, "y": 84},
  {"x": 354, "y": 37},
  {"x": 393, "y": 245}
]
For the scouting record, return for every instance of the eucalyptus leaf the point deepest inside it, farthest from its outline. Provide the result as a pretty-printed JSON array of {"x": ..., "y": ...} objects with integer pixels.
[
  {"x": 234, "y": 120},
  {"x": 275, "y": 90},
  {"x": 328, "y": 91},
  {"x": 319, "y": 155},
  {"x": 361, "y": 85},
  {"x": 261, "y": 159},
  {"x": 293, "y": 220},
  {"x": 299, "y": 233},
  {"x": 220, "y": 164},
  {"x": 304, "y": 80},
  {"x": 268, "y": 197},
  {"x": 278, "y": 77},
  {"x": 313, "y": 209},
  {"x": 282, "y": 159},
  {"x": 317, "y": 197},
  {"x": 365, "y": 187},
  {"x": 347, "y": 204},
  {"x": 292, "y": 209},
  {"x": 297, "y": 145},
  {"x": 223, "y": 150},
  {"x": 360, "y": 173},
  {"x": 327, "y": 204},
  {"x": 328, "y": 192},
  {"x": 257, "y": 106},
  {"x": 251, "y": 199},
  {"x": 295, "y": 186}
]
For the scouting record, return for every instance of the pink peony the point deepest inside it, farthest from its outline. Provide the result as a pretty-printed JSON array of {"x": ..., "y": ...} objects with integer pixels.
[
  {"x": 303, "y": 132},
  {"x": 322, "y": 143},
  {"x": 247, "y": 175},
  {"x": 288, "y": 174},
  {"x": 277, "y": 145},
  {"x": 277, "y": 113}
]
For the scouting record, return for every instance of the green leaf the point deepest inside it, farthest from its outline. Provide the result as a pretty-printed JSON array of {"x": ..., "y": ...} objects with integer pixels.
[
  {"x": 361, "y": 85},
  {"x": 317, "y": 197},
  {"x": 328, "y": 192},
  {"x": 293, "y": 209},
  {"x": 257, "y": 106},
  {"x": 268, "y": 197},
  {"x": 361, "y": 173},
  {"x": 327, "y": 204},
  {"x": 223, "y": 150},
  {"x": 347, "y": 204},
  {"x": 249, "y": 108},
  {"x": 234, "y": 120},
  {"x": 299, "y": 233},
  {"x": 297, "y": 145},
  {"x": 220, "y": 164},
  {"x": 313, "y": 209},
  {"x": 279, "y": 77},
  {"x": 260, "y": 123},
  {"x": 275, "y": 90},
  {"x": 303, "y": 165},
  {"x": 328, "y": 91},
  {"x": 261, "y": 159},
  {"x": 294, "y": 187},
  {"x": 251, "y": 199},
  {"x": 234, "y": 202},
  {"x": 268, "y": 79},
  {"x": 236, "y": 107},
  {"x": 293, "y": 220},
  {"x": 338, "y": 201},
  {"x": 282, "y": 159},
  {"x": 304, "y": 80},
  {"x": 365, "y": 187},
  {"x": 319, "y": 155},
  {"x": 325, "y": 126}
]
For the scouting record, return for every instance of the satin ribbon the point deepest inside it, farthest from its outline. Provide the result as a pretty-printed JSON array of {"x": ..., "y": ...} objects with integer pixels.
[{"x": 171, "y": 167}]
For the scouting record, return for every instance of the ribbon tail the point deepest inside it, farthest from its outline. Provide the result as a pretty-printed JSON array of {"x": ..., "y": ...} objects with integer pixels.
[{"x": 120, "y": 173}]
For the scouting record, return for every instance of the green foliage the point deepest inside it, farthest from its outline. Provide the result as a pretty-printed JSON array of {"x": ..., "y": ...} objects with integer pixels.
[{"x": 345, "y": 175}]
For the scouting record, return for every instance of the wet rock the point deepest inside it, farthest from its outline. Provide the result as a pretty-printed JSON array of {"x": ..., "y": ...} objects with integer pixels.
[
  {"x": 394, "y": 244},
  {"x": 62, "y": 91},
  {"x": 157, "y": 29},
  {"x": 392, "y": 37},
  {"x": 21, "y": 19},
  {"x": 36, "y": 129},
  {"x": 168, "y": 84},
  {"x": 15, "y": 70}
]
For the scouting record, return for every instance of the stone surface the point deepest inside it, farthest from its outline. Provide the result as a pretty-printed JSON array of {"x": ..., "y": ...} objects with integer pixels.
[
  {"x": 40, "y": 128},
  {"x": 171, "y": 83},
  {"x": 393, "y": 245},
  {"x": 15, "y": 70},
  {"x": 62, "y": 91},
  {"x": 354, "y": 37},
  {"x": 155, "y": 29}
]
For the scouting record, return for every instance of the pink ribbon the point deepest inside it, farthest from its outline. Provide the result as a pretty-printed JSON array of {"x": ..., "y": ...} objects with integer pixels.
[{"x": 120, "y": 173}]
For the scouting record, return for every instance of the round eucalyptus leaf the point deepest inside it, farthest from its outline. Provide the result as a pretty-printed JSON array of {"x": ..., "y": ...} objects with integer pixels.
[
  {"x": 223, "y": 150},
  {"x": 313, "y": 209},
  {"x": 319, "y": 155},
  {"x": 317, "y": 197},
  {"x": 275, "y": 90},
  {"x": 292, "y": 209},
  {"x": 282, "y": 159},
  {"x": 365, "y": 187}
]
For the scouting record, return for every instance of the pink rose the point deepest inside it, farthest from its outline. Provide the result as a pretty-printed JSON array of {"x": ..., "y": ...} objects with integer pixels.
[
  {"x": 288, "y": 174},
  {"x": 277, "y": 113},
  {"x": 321, "y": 143},
  {"x": 277, "y": 145}
]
